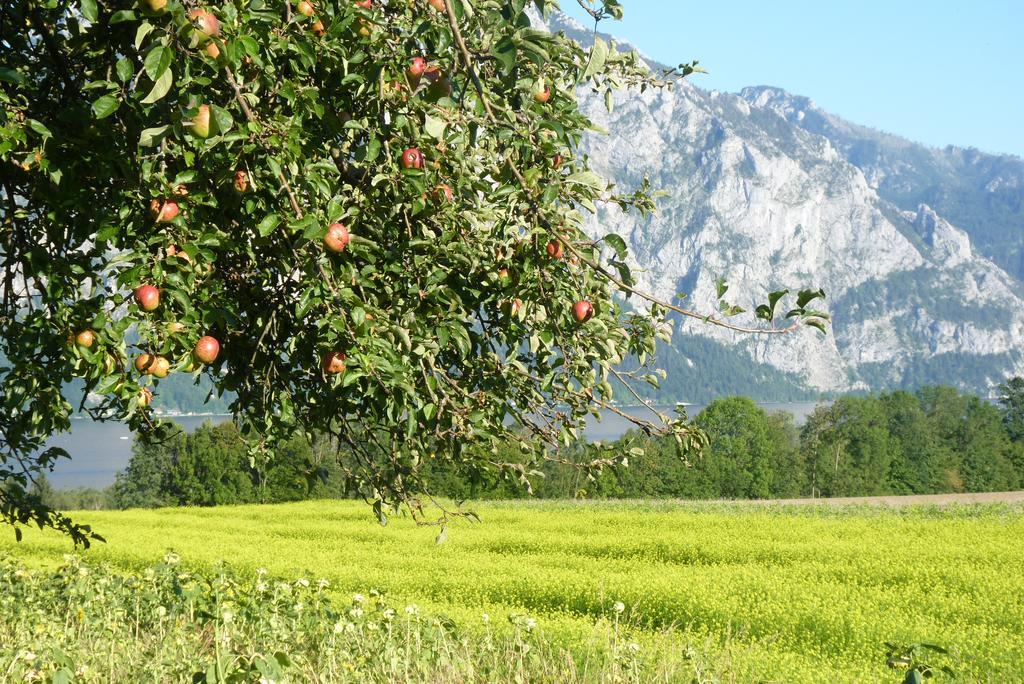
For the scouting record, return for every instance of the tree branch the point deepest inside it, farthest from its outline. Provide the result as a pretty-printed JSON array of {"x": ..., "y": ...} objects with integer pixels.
[
  {"x": 706, "y": 318},
  {"x": 240, "y": 98}
]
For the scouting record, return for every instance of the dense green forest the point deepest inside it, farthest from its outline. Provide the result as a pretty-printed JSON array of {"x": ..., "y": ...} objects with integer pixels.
[{"x": 935, "y": 440}]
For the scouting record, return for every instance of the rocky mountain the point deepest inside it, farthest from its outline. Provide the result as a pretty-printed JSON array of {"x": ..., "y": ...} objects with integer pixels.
[{"x": 920, "y": 250}]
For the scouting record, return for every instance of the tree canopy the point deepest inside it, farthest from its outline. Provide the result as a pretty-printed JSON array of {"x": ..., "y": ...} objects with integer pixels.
[{"x": 362, "y": 218}]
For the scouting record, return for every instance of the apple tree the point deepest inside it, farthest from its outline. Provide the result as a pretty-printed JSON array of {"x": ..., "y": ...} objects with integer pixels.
[{"x": 361, "y": 218}]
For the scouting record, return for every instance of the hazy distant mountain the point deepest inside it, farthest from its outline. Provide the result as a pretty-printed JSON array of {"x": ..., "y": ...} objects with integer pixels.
[
  {"x": 920, "y": 250},
  {"x": 981, "y": 193}
]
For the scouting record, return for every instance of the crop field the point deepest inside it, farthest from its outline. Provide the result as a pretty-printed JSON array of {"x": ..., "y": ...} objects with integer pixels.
[{"x": 769, "y": 594}]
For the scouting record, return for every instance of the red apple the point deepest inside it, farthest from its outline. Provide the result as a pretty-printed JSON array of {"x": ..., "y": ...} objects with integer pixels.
[
  {"x": 365, "y": 4},
  {"x": 438, "y": 5},
  {"x": 542, "y": 96},
  {"x": 444, "y": 192},
  {"x": 511, "y": 307},
  {"x": 504, "y": 276},
  {"x": 333, "y": 363},
  {"x": 433, "y": 73},
  {"x": 160, "y": 367},
  {"x": 201, "y": 124},
  {"x": 416, "y": 68},
  {"x": 144, "y": 362},
  {"x": 148, "y": 297},
  {"x": 207, "y": 349},
  {"x": 440, "y": 84},
  {"x": 164, "y": 211},
  {"x": 555, "y": 249},
  {"x": 145, "y": 397},
  {"x": 212, "y": 50},
  {"x": 85, "y": 338},
  {"x": 155, "y": 6},
  {"x": 557, "y": 161},
  {"x": 205, "y": 22},
  {"x": 318, "y": 28},
  {"x": 582, "y": 311},
  {"x": 412, "y": 158},
  {"x": 305, "y": 8},
  {"x": 337, "y": 238},
  {"x": 178, "y": 252},
  {"x": 241, "y": 181}
]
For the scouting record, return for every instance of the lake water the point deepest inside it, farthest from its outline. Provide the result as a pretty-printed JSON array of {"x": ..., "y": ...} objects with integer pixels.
[{"x": 99, "y": 450}]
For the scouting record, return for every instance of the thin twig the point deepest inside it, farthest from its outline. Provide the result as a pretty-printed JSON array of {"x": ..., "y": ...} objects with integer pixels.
[{"x": 252, "y": 119}]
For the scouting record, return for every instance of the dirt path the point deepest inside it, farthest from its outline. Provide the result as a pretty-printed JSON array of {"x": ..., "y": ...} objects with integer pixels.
[{"x": 915, "y": 500}]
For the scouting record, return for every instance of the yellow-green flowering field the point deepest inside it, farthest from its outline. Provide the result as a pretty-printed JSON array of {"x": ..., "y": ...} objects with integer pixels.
[{"x": 718, "y": 591}]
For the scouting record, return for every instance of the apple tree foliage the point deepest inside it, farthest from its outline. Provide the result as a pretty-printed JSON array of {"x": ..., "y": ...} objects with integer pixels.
[{"x": 205, "y": 150}]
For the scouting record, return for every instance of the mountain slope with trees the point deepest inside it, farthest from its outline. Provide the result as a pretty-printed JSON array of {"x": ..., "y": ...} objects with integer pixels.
[{"x": 918, "y": 249}]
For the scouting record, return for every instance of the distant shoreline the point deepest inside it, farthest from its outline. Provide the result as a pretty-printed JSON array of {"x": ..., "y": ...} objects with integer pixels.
[
  {"x": 167, "y": 415},
  {"x": 661, "y": 407}
]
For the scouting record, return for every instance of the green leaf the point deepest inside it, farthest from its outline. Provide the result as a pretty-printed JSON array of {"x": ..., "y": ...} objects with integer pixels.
[
  {"x": 767, "y": 311},
  {"x": 618, "y": 244},
  {"x": 122, "y": 16},
  {"x": 267, "y": 225},
  {"x": 124, "y": 70},
  {"x": 89, "y": 10},
  {"x": 815, "y": 323},
  {"x": 807, "y": 296},
  {"x": 145, "y": 28},
  {"x": 157, "y": 61},
  {"x": 721, "y": 286},
  {"x": 105, "y": 106},
  {"x": 39, "y": 128},
  {"x": 587, "y": 178},
  {"x": 434, "y": 127},
  {"x": 151, "y": 137},
  {"x": 161, "y": 87},
  {"x": 222, "y": 119},
  {"x": 598, "y": 55},
  {"x": 505, "y": 52},
  {"x": 12, "y": 76}
]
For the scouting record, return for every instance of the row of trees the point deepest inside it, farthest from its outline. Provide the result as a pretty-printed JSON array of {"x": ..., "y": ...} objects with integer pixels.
[
  {"x": 208, "y": 467},
  {"x": 933, "y": 441}
]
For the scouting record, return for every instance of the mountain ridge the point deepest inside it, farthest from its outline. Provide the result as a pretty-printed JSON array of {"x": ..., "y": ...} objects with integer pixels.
[{"x": 919, "y": 248}]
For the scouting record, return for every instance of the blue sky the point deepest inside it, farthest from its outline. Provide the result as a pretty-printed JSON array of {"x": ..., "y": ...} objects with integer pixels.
[{"x": 938, "y": 72}]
